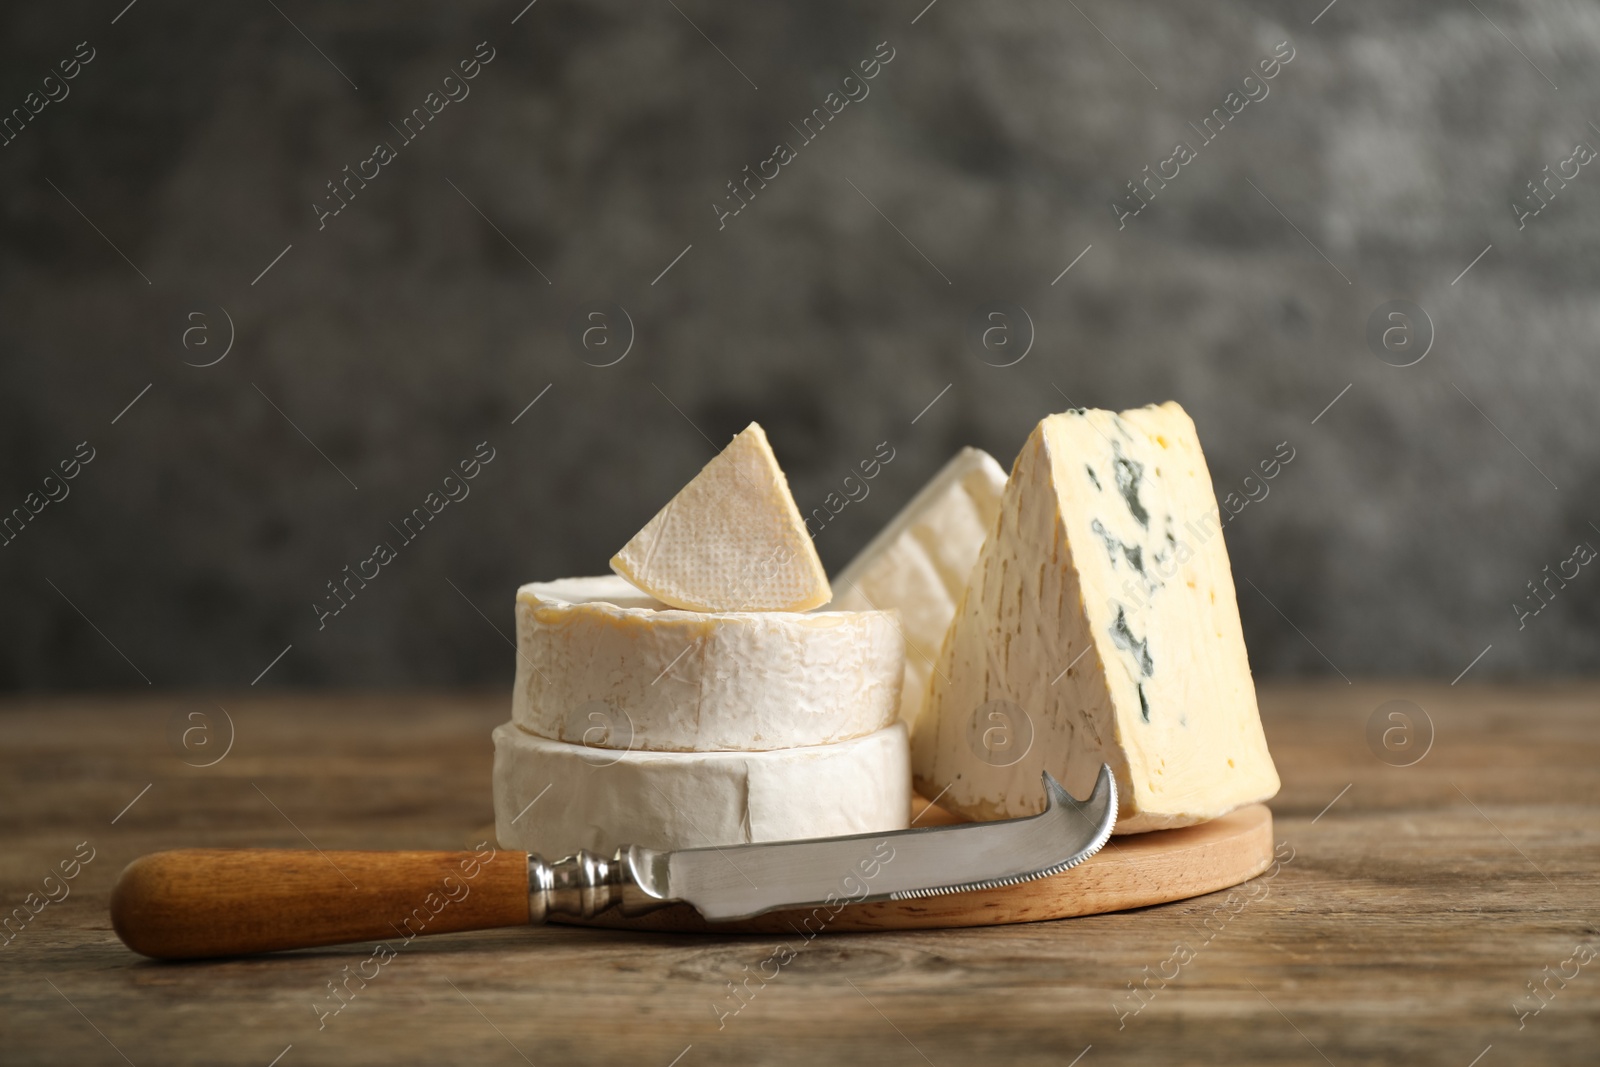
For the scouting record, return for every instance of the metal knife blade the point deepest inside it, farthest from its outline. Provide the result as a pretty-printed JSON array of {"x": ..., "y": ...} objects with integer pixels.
[{"x": 740, "y": 881}]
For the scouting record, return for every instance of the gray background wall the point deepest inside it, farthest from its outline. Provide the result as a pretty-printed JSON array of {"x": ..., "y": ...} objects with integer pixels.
[{"x": 833, "y": 309}]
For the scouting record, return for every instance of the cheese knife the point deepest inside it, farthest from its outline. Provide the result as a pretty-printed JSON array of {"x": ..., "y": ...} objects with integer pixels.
[{"x": 198, "y": 903}]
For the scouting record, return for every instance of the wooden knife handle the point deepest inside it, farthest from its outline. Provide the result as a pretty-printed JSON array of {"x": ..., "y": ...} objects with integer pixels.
[{"x": 195, "y": 903}]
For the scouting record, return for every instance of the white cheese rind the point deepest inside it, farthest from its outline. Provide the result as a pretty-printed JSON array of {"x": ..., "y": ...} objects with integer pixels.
[
  {"x": 602, "y": 799},
  {"x": 730, "y": 540},
  {"x": 1100, "y": 625},
  {"x": 920, "y": 563},
  {"x": 600, "y": 663}
]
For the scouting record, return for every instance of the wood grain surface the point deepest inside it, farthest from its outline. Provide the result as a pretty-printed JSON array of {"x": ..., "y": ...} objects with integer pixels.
[{"x": 1418, "y": 914}]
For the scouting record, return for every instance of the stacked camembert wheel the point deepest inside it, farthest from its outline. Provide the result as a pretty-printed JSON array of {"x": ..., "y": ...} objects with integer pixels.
[{"x": 692, "y": 699}]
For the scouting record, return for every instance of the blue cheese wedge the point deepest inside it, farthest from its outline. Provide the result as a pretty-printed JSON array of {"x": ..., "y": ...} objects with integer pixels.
[{"x": 1100, "y": 625}]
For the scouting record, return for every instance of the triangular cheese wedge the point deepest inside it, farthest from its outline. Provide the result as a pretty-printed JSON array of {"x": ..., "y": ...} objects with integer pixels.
[
  {"x": 731, "y": 540},
  {"x": 920, "y": 562},
  {"x": 1099, "y": 625}
]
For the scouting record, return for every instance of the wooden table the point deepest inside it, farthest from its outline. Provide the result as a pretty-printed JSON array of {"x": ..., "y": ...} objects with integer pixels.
[{"x": 1419, "y": 904}]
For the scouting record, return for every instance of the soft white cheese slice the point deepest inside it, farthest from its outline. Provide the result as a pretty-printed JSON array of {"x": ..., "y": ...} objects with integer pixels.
[
  {"x": 554, "y": 798},
  {"x": 1100, "y": 625},
  {"x": 920, "y": 563},
  {"x": 603, "y": 664},
  {"x": 731, "y": 540}
]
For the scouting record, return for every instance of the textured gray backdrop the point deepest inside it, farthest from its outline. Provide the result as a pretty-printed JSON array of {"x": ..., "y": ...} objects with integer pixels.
[{"x": 983, "y": 159}]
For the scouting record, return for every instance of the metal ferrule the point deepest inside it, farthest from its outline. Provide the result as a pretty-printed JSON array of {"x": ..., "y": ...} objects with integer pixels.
[{"x": 583, "y": 886}]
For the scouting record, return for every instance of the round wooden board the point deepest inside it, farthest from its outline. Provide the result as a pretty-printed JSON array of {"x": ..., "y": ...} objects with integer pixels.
[{"x": 1131, "y": 872}]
